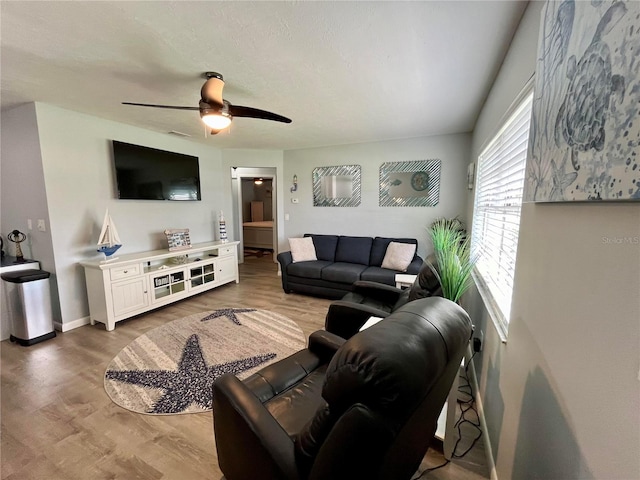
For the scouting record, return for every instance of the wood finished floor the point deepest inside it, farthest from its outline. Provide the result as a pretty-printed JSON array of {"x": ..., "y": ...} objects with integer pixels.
[{"x": 58, "y": 423}]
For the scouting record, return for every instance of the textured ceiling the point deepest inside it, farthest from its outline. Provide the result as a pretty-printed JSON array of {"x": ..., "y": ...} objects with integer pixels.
[{"x": 345, "y": 72}]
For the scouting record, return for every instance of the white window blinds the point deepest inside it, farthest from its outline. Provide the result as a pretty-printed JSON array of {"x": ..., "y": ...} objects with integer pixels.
[{"x": 496, "y": 214}]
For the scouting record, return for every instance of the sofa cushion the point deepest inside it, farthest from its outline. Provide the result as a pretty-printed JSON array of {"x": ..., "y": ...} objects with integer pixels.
[
  {"x": 308, "y": 269},
  {"x": 341, "y": 272},
  {"x": 379, "y": 275},
  {"x": 379, "y": 248},
  {"x": 354, "y": 250},
  {"x": 325, "y": 246},
  {"x": 398, "y": 256},
  {"x": 302, "y": 249}
]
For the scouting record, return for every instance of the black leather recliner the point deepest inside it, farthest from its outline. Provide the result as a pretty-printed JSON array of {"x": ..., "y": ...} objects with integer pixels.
[
  {"x": 371, "y": 299},
  {"x": 366, "y": 407}
]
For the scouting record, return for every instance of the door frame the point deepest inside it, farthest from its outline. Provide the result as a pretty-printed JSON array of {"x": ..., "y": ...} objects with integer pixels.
[{"x": 237, "y": 174}]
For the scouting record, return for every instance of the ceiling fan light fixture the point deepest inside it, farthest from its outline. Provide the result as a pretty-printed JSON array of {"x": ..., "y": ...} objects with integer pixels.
[
  {"x": 216, "y": 121},
  {"x": 216, "y": 112}
]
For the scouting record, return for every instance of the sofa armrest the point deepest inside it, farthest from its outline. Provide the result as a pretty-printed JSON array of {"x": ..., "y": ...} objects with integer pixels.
[
  {"x": 415, "y": 266},
  {"x": 244, "y": 429},
  {"x": 285, "y": 259},
  {"x": 345, "y": 318}
]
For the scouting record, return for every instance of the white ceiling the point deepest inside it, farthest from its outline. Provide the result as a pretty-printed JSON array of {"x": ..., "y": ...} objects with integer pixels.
[{"x": 345, "y": 72}]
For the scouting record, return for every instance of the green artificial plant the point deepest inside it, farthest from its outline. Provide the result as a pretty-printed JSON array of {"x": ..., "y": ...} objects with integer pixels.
[{"x": 454, "y": 262}]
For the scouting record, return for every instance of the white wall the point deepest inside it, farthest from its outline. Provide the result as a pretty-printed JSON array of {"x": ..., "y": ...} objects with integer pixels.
[
  {"x": 370, "y": 219},
  {"x": 562, "y": 396},
  {"x": 79, "y": 181}
]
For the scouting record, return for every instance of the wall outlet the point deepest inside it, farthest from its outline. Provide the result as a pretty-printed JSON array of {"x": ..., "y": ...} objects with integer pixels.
[
  {"x": 29, "y": 224},
  {"x": 478, "y": 341},
  {"x": 41, "y": 225}
]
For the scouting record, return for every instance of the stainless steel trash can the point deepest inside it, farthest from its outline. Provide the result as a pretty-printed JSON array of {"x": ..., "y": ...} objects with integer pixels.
[{"x": 30, "y": 307}]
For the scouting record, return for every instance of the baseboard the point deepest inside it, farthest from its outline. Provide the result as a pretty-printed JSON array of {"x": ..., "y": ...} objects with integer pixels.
[
  {"x": 493, "y": 475},
  {"x": 66, "y": 326}
]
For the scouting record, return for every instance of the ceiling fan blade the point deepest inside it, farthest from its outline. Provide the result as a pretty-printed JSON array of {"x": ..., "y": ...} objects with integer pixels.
[
  {"x": 161, "y": 106},
  {"x": 211, "y": 91},
  {"x": 250, "y": 112}
]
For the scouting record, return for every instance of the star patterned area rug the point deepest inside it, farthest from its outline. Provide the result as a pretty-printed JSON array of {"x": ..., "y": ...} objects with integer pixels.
[{"x": 171, "y": 369}]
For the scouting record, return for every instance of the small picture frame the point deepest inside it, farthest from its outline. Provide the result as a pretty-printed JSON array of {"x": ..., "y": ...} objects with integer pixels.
[{"x": 178, "y": 239}]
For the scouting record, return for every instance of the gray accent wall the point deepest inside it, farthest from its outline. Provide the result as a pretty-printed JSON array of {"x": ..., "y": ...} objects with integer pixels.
[
  {"x": 562, "y": 396},
  {"x": 368, "y": 218},
  {"x": 24, "y": 194}
]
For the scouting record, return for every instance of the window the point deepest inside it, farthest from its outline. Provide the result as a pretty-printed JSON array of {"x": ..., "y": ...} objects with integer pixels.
[{"x": 496, "y": 214}]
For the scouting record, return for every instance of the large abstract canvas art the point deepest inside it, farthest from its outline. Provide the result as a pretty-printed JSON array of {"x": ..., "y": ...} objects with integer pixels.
[{"x": 585, "y": 128}]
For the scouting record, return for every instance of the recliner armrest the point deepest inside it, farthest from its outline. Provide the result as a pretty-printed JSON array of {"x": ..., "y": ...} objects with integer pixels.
[
  {"x": 255, "y": 445},
  {"x": 325, "y": 344},
  {"x": 345, "y": 318},
  {"x": 277, "y": 377},
  {"x": 382, "y": 292}
]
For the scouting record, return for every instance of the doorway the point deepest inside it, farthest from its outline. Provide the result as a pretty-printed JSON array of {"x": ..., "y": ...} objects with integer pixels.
[{"x": 255, "y": 216}]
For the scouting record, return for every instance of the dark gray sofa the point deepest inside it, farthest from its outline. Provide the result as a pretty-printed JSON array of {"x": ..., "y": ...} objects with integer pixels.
[{"x": 342, "y": 260}]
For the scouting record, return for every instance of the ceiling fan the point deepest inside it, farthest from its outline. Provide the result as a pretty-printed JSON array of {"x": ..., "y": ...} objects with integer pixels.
[{"x": 216, "y": 112}]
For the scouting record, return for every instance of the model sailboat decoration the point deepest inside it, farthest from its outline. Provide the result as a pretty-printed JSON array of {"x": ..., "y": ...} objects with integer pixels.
[{"x": 109, "y": 241}]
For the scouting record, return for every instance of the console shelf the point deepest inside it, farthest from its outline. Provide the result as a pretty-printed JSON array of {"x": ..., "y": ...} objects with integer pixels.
[{"x": 139, "y": 282}]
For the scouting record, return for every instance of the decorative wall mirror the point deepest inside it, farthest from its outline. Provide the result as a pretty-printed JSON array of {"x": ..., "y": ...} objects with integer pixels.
[
  {"x": 410, "y": 184},
  {"x": 338, "y": 186}
]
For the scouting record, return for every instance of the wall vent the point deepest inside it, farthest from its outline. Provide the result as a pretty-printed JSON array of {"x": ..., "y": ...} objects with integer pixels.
[{"x": 180, "y": 134}]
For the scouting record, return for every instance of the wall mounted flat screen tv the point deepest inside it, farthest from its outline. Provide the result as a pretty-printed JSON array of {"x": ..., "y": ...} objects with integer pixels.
[{"x": 144, "y": 173}]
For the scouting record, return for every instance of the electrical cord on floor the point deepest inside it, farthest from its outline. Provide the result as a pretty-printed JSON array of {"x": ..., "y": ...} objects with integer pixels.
[
  {"x": 427, "y": 470},
  {"x": 465, "y": 406}
]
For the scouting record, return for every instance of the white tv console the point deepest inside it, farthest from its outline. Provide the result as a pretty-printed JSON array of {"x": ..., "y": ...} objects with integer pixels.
[{"x": 135, "y": 283}]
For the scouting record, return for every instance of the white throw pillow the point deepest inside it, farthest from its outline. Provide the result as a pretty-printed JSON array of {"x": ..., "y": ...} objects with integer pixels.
[
  {"x": 302, "y": 249},
  {"x": 399, "y": 256}
]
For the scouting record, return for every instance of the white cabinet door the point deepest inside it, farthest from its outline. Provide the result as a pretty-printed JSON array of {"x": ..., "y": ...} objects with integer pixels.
[
  {"x": 202, "y": 276},
  {"x": 129, "y": 296},
  {"x": 226, "y": 268},
  {"x": 168, "y": 286}
]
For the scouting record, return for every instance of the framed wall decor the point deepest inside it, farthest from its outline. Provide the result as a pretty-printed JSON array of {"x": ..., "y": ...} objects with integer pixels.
[
  {"x": 410, "y": 184},
  {"x": 178, "y": 239},
  {"x": 338, "y": 186},
  {"x": 585, "y": 135}
]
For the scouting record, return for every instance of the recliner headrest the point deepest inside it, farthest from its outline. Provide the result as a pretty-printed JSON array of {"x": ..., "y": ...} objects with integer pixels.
[
  {"x": 427, "y": 283},
  {"x": 392, "y": 365}
]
